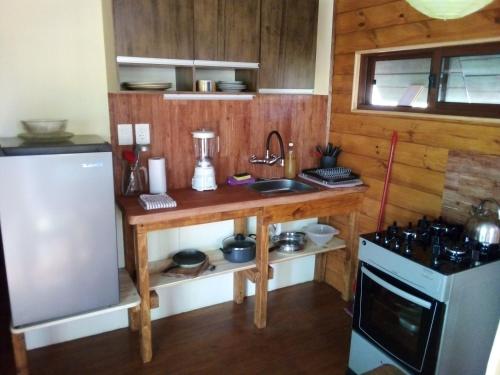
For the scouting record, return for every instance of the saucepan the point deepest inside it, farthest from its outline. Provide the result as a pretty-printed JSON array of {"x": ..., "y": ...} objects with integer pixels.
[
  {"x": 239, "y": 248},
  {"x": 289, "y": 242},
  {"x": 189, "y": 258}
]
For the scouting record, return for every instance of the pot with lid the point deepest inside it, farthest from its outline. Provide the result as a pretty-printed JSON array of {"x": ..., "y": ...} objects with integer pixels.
[
  {"x": 239, "y": 248},
  {"x": 484, "y": 224}
]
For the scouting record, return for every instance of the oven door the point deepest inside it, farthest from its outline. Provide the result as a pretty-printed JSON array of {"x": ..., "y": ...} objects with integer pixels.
[{"x": 399, "y": 319}]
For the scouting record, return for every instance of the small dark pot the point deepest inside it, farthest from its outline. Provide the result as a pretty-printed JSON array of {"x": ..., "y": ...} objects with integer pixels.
[
  {"x": 327, "y": 161},
  {"x": 238, "y": 248}
]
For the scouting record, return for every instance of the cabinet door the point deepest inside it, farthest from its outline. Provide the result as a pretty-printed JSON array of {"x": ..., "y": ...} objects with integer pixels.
[
  {"x": 208, "y": 38},
  {"x": 227, "y": 30},
  {"x": 288, "y": 44},
  {"x": 241, "y": 30},
  {"x": 154, "y": 28}
]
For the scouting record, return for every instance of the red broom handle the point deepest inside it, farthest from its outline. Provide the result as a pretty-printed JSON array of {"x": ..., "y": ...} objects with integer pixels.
[{"x": 381, "y": 212}]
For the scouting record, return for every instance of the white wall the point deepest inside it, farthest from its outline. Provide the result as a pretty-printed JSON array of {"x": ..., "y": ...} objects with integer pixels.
[
  {"x": 52, "y": 65},
  {"x": 323, "y": 47}
]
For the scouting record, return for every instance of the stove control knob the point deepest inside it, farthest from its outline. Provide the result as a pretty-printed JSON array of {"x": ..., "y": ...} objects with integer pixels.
[
  {"x": 393, "y": 229},
  {"x": 397, "y": 245},
  {"x": 423, "y": 223}
]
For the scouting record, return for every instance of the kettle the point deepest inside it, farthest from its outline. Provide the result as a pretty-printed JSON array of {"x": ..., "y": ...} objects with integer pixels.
[{"x": 484, "y": 224}]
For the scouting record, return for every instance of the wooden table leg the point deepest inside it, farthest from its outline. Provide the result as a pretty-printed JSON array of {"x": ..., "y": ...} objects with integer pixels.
[
  {"x": 240, "y": 226},
  {"x": 351, "y": 256},
  {"x": 238, "y": 287},
  {"x": 130, "y": 266},
  {"x": 20, "y": 355},
  {"x": 320, "y": 267},
  {"x": 262, "y": 260},
  {"x": 141, "y": 246},
  {"x": 320, "y": 259}
]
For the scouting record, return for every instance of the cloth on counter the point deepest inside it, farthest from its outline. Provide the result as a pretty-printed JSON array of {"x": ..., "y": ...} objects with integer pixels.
[{"x": 156, "y": 201}]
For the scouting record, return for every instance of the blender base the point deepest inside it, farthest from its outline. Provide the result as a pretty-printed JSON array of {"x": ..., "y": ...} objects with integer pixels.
[{"x": 204, "y": 179}]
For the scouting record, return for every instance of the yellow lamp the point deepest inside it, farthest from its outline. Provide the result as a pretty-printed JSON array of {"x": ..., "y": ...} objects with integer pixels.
[{"x": 448, "y": 9}]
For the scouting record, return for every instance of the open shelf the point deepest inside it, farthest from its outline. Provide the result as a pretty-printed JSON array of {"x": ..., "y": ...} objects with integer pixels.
[
  {"x": 310, "y": 249},
  {"x": 157, "y": 280},
  {"x": 128, "y": 298}
]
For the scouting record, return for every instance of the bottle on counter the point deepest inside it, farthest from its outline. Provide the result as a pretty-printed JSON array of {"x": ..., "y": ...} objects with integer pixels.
[{"x": 290, "y": 162}]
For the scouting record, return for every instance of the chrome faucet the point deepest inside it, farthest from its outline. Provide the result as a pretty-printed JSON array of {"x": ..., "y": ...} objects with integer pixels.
[{"x": 271, "y": 159}]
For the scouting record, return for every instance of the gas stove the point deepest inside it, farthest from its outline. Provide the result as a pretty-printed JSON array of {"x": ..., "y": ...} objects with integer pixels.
[
  {"x": 441, "y": 246},
  {"x": 421, "y": 292}
]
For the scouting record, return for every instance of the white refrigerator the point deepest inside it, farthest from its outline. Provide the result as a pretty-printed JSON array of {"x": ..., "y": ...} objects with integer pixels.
[{"x": 57, "y": 218}]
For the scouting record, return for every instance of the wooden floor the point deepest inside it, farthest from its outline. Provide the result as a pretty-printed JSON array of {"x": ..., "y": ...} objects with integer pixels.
[{"x": 308, "y": 333}]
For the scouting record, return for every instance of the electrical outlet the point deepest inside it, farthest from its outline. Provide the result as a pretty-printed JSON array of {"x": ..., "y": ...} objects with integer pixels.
[
  {"x": 142, "y": 134},
  {"x": 125, "y": 135}
]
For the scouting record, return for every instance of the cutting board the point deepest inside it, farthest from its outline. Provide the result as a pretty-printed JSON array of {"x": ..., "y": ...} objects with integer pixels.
[{"x": 470, "y": 177}]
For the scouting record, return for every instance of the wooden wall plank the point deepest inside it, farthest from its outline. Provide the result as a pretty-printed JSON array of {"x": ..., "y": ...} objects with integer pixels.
[
  {"x": 470, "y": 178},
  {"x": 383, "y": 15},
  {"x": 342, "y": 83},
  {"x": 405, "y": 197},
  {"x": 417, "y": 178},
  {"x": 242, "y": 127},
  {"x": 344, "y": 64},
  {"x": 477, "y": 25},
  {"x": 445, "y": 134},
  {"x": 408, "y": 153},
  {"x": 350, "y": 5}
]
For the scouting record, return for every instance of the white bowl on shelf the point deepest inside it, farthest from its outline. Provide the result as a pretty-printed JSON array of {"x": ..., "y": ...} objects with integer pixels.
[
  {"x": 43, "y": 126},
  {"x": 320, "y": 234}
]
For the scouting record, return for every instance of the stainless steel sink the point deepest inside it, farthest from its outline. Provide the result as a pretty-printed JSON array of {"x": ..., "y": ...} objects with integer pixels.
[{"x": 280, "y": 186}]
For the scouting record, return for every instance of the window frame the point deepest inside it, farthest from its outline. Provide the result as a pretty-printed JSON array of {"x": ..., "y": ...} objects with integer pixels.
[{"x": 435, "y": 107}]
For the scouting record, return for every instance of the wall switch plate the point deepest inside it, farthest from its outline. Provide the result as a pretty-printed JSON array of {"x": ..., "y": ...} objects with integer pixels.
[
  {"x": 142, "y": 134},
  {"x": 125, "y": 135}
]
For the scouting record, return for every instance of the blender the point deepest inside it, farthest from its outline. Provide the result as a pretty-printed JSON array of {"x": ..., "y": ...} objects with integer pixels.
[{"x": 204, "y": 148}]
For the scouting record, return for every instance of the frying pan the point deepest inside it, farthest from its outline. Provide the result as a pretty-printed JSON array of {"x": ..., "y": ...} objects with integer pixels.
[{"x": 189, "y": 258}]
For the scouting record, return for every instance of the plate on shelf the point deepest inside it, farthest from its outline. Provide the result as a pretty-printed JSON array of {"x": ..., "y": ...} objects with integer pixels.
[
  {"x": 46, "y": 138},
  {"x": 147, "y": 85},
  {"x": 230, "y": 82}
]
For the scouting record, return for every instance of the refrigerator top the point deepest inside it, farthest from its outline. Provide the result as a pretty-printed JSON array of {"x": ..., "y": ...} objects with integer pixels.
[{"x": 77, "y": 144}]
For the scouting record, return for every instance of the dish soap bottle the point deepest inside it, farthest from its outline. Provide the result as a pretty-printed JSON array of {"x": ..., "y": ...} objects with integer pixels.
[{"x": 290, "y": 162}]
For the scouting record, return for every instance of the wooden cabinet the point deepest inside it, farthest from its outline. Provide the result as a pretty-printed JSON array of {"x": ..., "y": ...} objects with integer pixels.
[
  {"x": 227, "y": 30},
  {"x": 288, "y": 43},
  {"x": 154, "y": 28}
]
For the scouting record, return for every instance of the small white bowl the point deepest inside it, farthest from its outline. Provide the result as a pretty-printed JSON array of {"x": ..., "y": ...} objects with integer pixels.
[
  {"x": 44, "y": 126},
  {"x": 320, "y": 234}
]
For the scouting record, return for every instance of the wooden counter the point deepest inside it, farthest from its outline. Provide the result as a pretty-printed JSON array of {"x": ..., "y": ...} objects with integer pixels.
[{"x": 236, "y": 203}]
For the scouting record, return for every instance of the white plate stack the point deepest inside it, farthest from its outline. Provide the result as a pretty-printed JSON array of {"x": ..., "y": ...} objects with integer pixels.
[{"x": 231, "y": 86}]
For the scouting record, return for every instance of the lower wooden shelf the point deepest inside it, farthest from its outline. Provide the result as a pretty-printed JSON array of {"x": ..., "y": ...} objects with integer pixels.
[
  {"x": 157, "y": 280},
  {"x": 310, "y": 249},
  {"x": 128, "y": 298}
]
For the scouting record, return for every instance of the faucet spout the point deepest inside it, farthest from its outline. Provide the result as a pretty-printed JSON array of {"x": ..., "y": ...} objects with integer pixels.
[
  {"x": 275, "y": 158},
  {"x": 271, "y": 159}
]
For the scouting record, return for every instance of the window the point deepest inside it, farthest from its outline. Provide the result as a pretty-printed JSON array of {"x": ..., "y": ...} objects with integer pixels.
[{"x": 459, "y": 80}]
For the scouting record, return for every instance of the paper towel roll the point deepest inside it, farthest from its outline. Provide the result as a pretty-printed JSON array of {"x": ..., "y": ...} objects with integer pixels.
[{"x": 157, "y": 175}]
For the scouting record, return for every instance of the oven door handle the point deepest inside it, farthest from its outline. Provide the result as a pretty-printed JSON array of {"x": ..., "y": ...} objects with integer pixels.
[{"x": 401, "y": 293}]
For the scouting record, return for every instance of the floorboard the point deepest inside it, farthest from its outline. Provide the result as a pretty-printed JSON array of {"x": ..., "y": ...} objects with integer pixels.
[{"x": 308, "y": 333}]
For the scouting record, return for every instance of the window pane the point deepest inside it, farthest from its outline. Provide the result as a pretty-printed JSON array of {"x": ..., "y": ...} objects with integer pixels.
[
  {"x": 403, "y": 81},
  {"x": 470, "y": 79}
]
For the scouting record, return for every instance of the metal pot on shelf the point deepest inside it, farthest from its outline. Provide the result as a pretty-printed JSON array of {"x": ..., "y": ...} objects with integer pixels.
[
  {"x": 483, "y": 224},
  {"x": 239, "y": 248},
  {"x": 289, "y": 242}
]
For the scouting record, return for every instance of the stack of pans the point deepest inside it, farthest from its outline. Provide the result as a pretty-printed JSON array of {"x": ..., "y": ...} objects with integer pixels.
[{"x": 231, "y": 86}]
